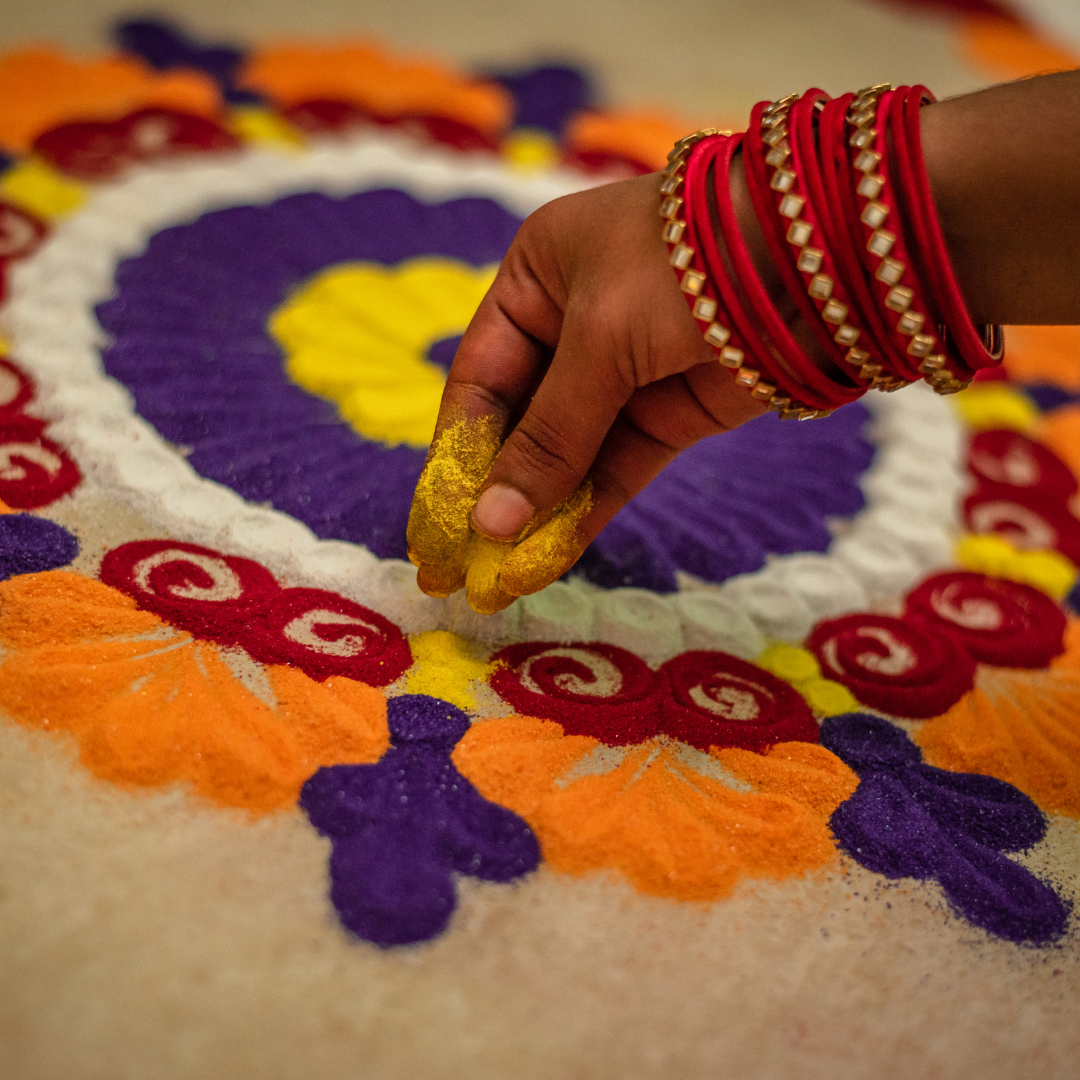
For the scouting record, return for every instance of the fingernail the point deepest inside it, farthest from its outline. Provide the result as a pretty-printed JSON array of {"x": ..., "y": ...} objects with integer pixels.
[{"x": 501, "y": 512}]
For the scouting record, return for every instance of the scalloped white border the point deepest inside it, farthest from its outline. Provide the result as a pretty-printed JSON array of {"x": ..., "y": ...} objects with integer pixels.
[{"x": 907, "y": 528}]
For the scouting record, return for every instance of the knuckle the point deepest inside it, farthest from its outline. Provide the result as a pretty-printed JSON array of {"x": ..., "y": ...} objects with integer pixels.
[{"x": 539, "y": 450}]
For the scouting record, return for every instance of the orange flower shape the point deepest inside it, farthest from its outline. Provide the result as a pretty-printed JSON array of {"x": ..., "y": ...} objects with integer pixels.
[
  {"x": 1020, "y": 726},
  {"x": 656, "y": 817},
  {"x": 363, "y": 74},
  {"x": 41, "y": 88},
  {"x": 149, "y": 705}
]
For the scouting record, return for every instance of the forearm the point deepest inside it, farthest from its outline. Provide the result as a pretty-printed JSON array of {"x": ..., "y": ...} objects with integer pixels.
[{"x": 1004, "y": 170}]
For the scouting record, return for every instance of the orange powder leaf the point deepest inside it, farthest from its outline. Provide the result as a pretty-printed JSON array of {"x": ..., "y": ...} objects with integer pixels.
[
  {"x": 1060, "y": 432},
  {"x": 363, "y": 74},
  {"x": 668, "y": 829},
  {"x": 1020, "y": 726},
  {"x": 1009, "y": 50},
  {"x": 1044, "y": 354},
  {"x": 639, "y": 136},
  {"x": 149, "y": 705},
  {"x": 42, "y": 88}
]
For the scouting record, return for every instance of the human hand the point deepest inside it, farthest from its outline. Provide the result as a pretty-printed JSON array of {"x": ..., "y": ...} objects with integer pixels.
[{"x": 584, "y": 357}]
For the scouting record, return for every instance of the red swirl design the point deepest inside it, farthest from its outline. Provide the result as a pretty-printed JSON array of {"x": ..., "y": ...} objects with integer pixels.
[
  {"x": 34, "y": 471},
  {"x": 901, "y": 667},
  {"x": 1009, "y": 459},
  {"x": 997, "y": 621},
  {"x": 235, "y": 601},
  {"x": 590, "y": 689},
  {"x": 97, "y": 151},
  {"x": 1030, "y": 519},
  {"x": 20, "y": 232},
  {"x": 16, "y": 389},
  {"x": 719, "y": 700}
]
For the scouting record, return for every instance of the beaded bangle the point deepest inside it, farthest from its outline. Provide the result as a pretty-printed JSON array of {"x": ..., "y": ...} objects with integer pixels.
[{"x": 977, "y": 350}]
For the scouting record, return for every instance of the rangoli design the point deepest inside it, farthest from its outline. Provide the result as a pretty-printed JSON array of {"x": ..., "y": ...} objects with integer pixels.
[{"x": 233, "y": 283}]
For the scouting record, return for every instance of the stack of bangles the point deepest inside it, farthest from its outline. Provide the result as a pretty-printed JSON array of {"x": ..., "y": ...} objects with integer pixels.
[{"x": 840, "y": 189}]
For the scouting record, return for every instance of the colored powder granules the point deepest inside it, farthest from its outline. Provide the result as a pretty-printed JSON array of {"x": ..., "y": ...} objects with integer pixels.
[
  {"x": 1044, "y": 354},
  {"x": 364, "y": 75},
  {"x": 445, "y": 667},
  {"x": 1020, "y": 726},
  {"x": 42, "y": 88},
  {"x": 451, "y": 556},
  {"x": 667, "y": 828},
  {"x": 1060, "y": 431},
  {"x": 359, "y": 334},
  {"x": 151, "y": 706}
]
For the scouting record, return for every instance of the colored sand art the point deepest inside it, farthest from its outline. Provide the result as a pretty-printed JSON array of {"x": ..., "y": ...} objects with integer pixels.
[{"x": 684, "y": 704}]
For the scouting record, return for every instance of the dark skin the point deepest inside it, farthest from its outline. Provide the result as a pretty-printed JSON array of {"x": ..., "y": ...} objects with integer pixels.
[{"x": 585, "y": 353}]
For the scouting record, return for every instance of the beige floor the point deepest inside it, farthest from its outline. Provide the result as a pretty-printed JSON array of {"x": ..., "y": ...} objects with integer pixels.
[
  {"x": 150, "y": 938},
  {"x": 695, "y": 56}
]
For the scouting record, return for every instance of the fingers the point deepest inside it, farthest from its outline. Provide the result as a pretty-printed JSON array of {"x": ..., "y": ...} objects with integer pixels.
[
  {"x": 549, "y": 452},
  {"x": 496, "y": 366}
]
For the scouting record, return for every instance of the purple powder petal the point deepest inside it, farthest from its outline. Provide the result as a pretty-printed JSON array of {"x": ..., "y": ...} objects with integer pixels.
[
  {"x": 31, "y": 545},
  {"x": 189, "y": 323},
  {"x": 403, "y": 827},
  {"x": 908, "y": 819}
]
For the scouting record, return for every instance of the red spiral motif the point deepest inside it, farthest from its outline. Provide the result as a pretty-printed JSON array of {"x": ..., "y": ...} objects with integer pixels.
[
  {"x": 325, "y": 634},
  {"x": 1009, "y": 459},
  {"x": 719, "y": 700},
  {"x": 590, "y": 689},
  {"x": 34, "y": 471},
  {"x": 20, "y": 232},
  {"x": 235, "y": 601},
  {"x": 93, "y": 150},
  {"x": 1028, "y": 519},
  {"x": 997, "y": 621},
  {"x": 905, "y": 668},
  {"x": 16, "y": 390}
]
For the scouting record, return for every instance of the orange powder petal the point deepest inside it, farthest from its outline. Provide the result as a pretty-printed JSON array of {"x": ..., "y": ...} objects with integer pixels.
[
  {"x": 1020, "y": 726},
  {"x": 1010, "y": 50},
  {"x": 640, "y": 136},
  {"x": 42, "y": 88},
  {"x": 362, "y": 73},
  {"x": 1044, "y": 354},
  {"x": 167, "y": 709},
  {"x": 807, "y": 773},
  {"x": 59, "y": 606},
  {"x": 667, "y": 829},
  {"x": 1060, "y": 431}
]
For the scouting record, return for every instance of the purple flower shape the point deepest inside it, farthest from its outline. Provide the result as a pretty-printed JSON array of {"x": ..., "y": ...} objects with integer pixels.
[
  {"x": 401, "y": 829},
  {"x": 909, "y": 819},
  {"x": 190, "y": 341},
  {"x": 30, "y": 545}
]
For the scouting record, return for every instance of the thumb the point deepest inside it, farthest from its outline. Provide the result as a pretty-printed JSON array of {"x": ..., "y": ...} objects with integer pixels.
[{"x": 550, "y": 451}]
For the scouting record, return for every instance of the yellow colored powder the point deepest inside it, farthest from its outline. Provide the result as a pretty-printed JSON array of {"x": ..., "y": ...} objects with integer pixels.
[
  {"x": 800, "y": 668},
  {"x": 260, "y": 126},
  {"x": 1047, "y": 570},
  {"x": 447, "y": 490},
  {"x": 444, "y": 667},
  {"x": 996, "y": 405},
  {"x": 39, "y": 188},
  {"x": 545, "y": 555}
]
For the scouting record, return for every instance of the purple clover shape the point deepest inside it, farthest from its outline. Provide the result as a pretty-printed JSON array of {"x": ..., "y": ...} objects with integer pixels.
[
  {"x": 31, "y": 545},
  {"x": 909, "y": 819},
  {"x": 402, "y": 828}
]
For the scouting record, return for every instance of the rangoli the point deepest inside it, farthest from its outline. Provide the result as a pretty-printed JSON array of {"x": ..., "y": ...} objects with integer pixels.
[{"x": 233, "y": 285}]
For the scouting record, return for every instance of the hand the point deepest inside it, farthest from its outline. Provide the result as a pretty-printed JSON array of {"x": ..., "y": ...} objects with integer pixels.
[{"x": 584, "y": 357}]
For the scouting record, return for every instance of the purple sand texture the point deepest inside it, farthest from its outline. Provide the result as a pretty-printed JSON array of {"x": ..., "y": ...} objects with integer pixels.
[
  {"x": 401, "y": 829},
  {"x": 190, "y": 341},
  {"x": 909, "y": 819},
  {"x": 30, "y": 545}
]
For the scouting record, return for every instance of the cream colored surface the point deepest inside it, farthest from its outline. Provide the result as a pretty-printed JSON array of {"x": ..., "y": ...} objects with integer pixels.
[
  {"x": 145, "y": 937},
  {"x": 699, "y": 57}
]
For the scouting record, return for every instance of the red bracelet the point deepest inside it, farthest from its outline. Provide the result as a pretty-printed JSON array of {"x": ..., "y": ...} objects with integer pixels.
[
  {"x": 887, "y": 366},
  {"x": 976, "y": 350}
]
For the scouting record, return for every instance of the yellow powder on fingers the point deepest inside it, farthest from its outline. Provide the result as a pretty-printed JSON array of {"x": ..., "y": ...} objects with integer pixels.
[
  {"x": 448, "y": 488},
  {"x": 551, "y": 550},
  {"x": 443, "y": 579},
  {"x": 483, "y": 582},
  {"x": 444, "y": 666}
]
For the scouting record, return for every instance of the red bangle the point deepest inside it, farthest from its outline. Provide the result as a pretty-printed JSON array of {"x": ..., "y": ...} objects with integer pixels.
[{"x": 977, "y": 350}]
